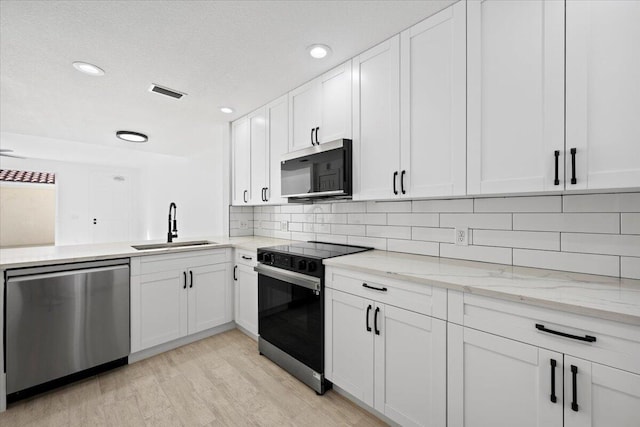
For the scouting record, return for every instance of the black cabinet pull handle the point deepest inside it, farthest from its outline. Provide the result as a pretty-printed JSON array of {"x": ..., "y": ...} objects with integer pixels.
[
  {"x": 312, "y": 130},
  {"x": 573, "y": 166},
  {"x": 364, "y": 285},
  {"x": 317, "y": 130},
  {"x": 263, "y": 196},
  {"x": 184, "y": 273},
  {"x": 266, "y": 199},
  {"x": 190, "y": 279},
  {"x": 244, "y": 196},
  {"x": 587, "y": 338},
  {"x": 235, "y": 269},
  {"x": 395, "y": 177},
  {"x": 574, "y": 375},
  {"x": 368, "y": 311},
  {"x": 247, "y": 257},
  {"x": 556, "y": 154},
  {"x": 402, "y": 182},
  {"x": 375, "y": 321},
  {"x": 554, "y": 399}
]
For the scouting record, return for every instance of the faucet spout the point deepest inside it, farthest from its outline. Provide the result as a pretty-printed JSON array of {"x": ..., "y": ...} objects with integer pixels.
[{"x": 172, "y": 231}]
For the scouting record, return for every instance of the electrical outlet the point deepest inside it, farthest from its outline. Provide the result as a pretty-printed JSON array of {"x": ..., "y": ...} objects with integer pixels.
[
  {"x": 462, "y": 236},
  {"x": 284, "y": 225},
  {"x": 244, "y": 224}
]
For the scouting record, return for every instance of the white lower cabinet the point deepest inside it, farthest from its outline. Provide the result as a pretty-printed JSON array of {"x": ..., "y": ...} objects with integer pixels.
[
  {"x": 246, "y": 292},
  {"x": 179, "y": 294},
  {"x": 521, "y": 367},
  {"x": 392, "y": 359}
]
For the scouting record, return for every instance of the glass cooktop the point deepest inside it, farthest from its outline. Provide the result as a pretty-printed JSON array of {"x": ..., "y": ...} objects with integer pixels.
[{"x": 320, "y": 250}]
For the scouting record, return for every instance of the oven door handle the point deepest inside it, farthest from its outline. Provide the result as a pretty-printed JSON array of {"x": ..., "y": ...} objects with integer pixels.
[{"x": 292, "y": 277}]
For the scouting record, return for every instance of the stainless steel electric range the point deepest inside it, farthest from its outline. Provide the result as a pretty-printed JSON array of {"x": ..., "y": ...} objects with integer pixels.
[{"x": 291, "y": 307}]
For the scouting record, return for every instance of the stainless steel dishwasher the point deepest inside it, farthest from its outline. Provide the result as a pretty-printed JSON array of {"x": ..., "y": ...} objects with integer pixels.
[{"x": 63, "y": 320}]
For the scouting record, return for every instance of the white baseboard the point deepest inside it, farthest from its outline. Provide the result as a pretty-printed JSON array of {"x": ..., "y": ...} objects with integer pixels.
[
  {"x": 364, "y": 406},
  {"x": 247, "y": 333},
  {"x": 150, "y": 352}
]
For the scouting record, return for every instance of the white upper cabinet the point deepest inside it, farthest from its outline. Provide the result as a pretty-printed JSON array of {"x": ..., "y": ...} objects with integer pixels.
[
  {"x": 241, "y": 161},
  {"x": 259, "y": 155},
  {"x": 603, "y": 94},
  {"x": 432, "y": 105},
  {"x": 278, "y": 136},
  {"x": 320, "y": 111},
  {"x": 515, "y": 95},
  {"x": 376, "y": 130}
]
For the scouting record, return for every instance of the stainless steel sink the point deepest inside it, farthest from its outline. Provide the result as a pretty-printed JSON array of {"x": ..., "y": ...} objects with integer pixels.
[{"x": 172, "y": 245}]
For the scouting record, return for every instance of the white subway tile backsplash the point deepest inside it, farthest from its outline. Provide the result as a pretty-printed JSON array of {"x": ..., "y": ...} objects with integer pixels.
[
  {"x": 599, "y": 235},
  {"x": 415, "y": 219},
  {"x": 367, "y": 218},
  {"x": 453, "y": 205},
  {"x": 606, "y": 265},
  {"x": 413, "y": 247},
  {"x": 497, "y": 221},
  {"x": 611, "y": 244},
  {"x": 390, "y": 231},
  {"x": 372, "y": 242},
  {"x": 349, "y": 207},
  {"x": 630, "y": 223},
  {"x": 476, "y": 253},
  {"x": 620, "y": 202},
  {"x": 446, "y": 235},
  {"x": 403, "y": 206},
  {"x": 518, "y": 239},
  {"x": 352, "y": 230},
  {"x": 570, "y": 222},
  {"x": 630, "y": 267},
  {"x": 519, "y": 204}
]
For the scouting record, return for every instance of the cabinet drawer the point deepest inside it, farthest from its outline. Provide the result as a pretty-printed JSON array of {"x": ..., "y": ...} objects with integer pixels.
[
  {"x": 179, "y": 260},
  {"x": 616, "y": 344},
  {"x": 417, "y": 297},
  {"x": 244, "y": 257}
]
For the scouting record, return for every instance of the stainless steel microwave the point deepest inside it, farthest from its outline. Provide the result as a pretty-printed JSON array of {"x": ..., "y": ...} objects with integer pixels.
[{"x": 321, "y": 171}]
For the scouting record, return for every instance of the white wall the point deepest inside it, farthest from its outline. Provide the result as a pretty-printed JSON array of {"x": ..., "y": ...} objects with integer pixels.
[{"x": 195, "y": 182}]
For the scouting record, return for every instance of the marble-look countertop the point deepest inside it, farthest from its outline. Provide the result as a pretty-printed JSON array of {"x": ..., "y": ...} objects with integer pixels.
[
  {"x": 47, "y": 255},
  {"x": 599, "y": 296}
]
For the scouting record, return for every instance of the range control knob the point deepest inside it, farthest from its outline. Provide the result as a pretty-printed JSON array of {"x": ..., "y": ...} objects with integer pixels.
[
  {"x": 267, "y": 258},
  {"x": 302, "y": 265},
  {"x": 311, "y": 266}
]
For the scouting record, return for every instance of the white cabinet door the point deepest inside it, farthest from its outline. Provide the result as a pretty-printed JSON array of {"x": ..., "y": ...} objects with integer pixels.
[
  {"x": 433, "y": 105},
  {"x": 498, "y": 382},
  {"x": 160, "y": 314},
  {"x": 349, "y": 343},
  {"x": 515, "y": 95},
  {"x": 304, "y": 115},
  {"x": 241, "y": 161},
  {"x": 410, "y": 360},
  {"x": 335, "y": 92},
  {"x": 259, "y": 155},
  {"x": 246, "y": 298},
  {"x": 603, "y": 397},
  {"x": 376, "y": 130},
  {"x": 603, "y": 94},
  {"x": 278, "y": 135},
  {"x": 209, "y": 297}
]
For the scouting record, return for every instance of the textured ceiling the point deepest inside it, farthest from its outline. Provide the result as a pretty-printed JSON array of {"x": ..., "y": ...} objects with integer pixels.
[{"x": 237, "y": 53}]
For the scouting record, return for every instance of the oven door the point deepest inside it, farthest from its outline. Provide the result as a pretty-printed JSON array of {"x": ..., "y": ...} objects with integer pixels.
[{"x": 291, "y": 314}]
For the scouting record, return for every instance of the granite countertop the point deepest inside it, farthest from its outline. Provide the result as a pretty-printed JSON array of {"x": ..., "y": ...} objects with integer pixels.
[
  {"x": 46, "y": 255},
  {"x": 599, "y": 296}
]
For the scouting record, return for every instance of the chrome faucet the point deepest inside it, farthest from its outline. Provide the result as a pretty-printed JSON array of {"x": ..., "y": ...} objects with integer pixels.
[{"x": 172, "y": 233}]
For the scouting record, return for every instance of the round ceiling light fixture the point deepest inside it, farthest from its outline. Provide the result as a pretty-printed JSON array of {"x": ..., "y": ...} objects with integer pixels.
[
  {"x": 319, "y": 51},
  {"x": 130, "y": 136},
  {"x": 88, "y": 69},
  {"x": 226, "y": 110}
]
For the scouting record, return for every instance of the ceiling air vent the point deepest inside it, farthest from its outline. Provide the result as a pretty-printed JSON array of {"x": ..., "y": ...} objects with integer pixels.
[{"x": 166, "y": 91}]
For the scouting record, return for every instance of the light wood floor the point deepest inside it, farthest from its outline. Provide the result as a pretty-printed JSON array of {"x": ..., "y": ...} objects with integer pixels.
[{"x": 219, "y": 381}]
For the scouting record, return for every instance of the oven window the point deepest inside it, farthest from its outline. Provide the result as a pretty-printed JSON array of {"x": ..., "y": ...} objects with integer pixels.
[{"x": 290, "y": 317}]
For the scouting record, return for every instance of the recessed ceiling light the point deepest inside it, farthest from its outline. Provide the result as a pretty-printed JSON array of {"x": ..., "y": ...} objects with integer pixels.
[
  {"x": 319, "y": 51},
  {"x": 131, "y": 136},
  {"x": 89, "y": 69},
  {"x": 226, "y": 110}
]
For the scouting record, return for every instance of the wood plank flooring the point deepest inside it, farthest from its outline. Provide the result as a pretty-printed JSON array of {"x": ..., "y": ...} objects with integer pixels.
[{"x": 218, "y": 381}]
